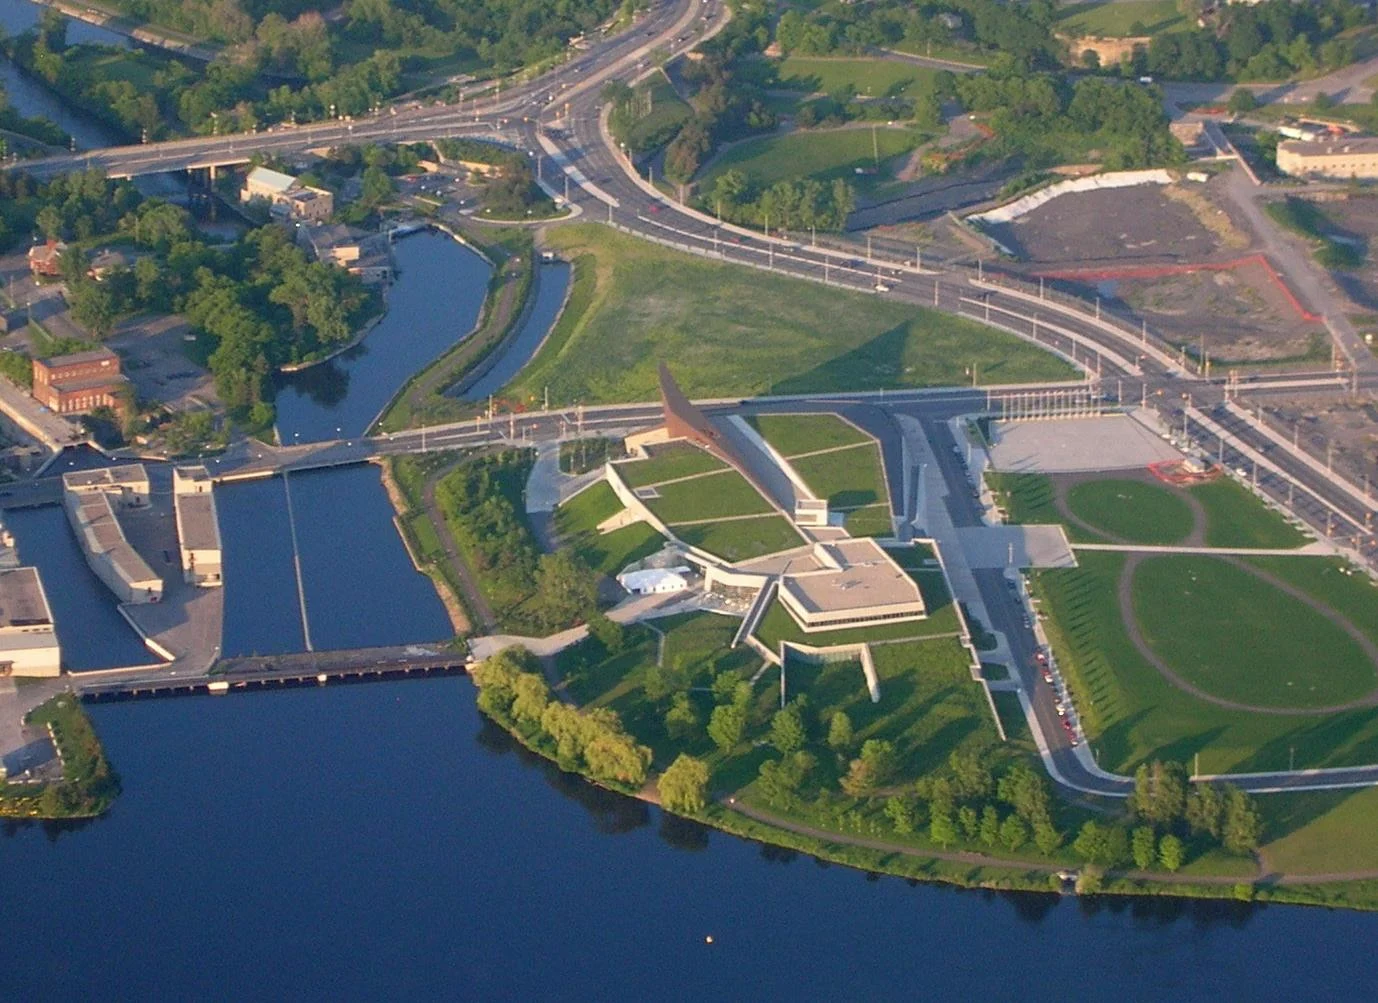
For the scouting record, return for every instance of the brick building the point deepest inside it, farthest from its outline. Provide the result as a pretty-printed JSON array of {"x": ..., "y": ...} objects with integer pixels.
[{"x": 81, "y": 382}]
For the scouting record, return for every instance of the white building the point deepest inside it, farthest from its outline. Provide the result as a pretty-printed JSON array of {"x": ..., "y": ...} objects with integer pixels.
[
  {"x": 28, "y": 639},
  {"x": 654, "y": 581},
  {"x": 287, "y": 197},
  {"x": 198, "y": 526},
  {"x": 91, "y": 499}
]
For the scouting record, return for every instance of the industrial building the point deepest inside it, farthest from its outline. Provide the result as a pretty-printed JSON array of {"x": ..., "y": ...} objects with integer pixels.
[
  {"x": 1343, "y": 157},
  {"x": 198, "y": 526},
  {"x": 80, "y": 382},
  {"x": 286, "y": 197},
  {"x": 364, "y": 255},
  {"x": 92, "y": 498},
  {"x": 28, "y": 639}
]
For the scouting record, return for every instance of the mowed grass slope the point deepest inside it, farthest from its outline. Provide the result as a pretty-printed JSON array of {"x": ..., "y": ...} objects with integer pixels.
[
  {"x": 795, "y": 434},
  {"x": 667, "y": 463},
  {"x": 577, "y": 522},
  {"x": 742, "y": 539},
  {"x": 1120, "y": 18},
  {"x": 847, "y": 478},
  {"x": 1236, "y": 518},
  {"x": 1238, "y": 638},
  {"x": 720, "y": 495},
  {"x": 867, "y": 77},
  {"x": 1133, "y": 714},
  {"x": 727, "y": 330},
  {"x": 821, "y": 154},
  {"x": 1134, "y": 511}
]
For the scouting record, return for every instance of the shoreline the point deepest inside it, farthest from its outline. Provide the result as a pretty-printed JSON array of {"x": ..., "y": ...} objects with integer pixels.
[{"x": 969, "y": 869}]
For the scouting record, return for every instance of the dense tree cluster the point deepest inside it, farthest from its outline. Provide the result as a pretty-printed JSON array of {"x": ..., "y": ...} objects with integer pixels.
[
  {"x": 1266, "y": 41},
  {"x": 531, "y": 592},
  {"x": 513, "y": 692},
  {"x": 785, "y": 205},
  {"x": 1038, "y": 114}
]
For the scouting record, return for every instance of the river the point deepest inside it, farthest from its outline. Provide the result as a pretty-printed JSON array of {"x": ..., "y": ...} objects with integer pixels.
[
  {"x": 378, "y": 841},
  {"x": 435, "y": 302}
]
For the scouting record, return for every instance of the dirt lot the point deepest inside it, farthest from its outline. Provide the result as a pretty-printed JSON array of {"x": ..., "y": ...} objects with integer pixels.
[
  {"x": 1239, "y": 316},
  {"x": 1355, "y": 221},
  {"x": 1145, "y": 225},
  {"x": 155, "y": 359},
  {"x": 1351, "y": 425}
]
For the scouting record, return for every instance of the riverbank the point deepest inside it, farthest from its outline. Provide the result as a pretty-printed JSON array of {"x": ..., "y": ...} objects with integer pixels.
[
  {"x": 84, "y": 787},
  {"x": 968, "y": 869},
  {"x": 422, "y": 400}
]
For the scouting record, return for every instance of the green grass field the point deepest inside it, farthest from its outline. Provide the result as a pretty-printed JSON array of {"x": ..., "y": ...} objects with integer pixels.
[
  {"x": 742, "y": 539},
  {"x": 1240, "y": 639},
  {"x": 873, "y": 520},
  {"x": 1324, "y": 832},
  {"x": 794, "y": 434},
  {"x": 667, "y": 463},
  {"x": 667, "y": 114},
  {"x": 577, "y": 522},
  {"x": 1236, "y": 518},
  {"x": 1133, "y": 714},
  {"x": 727, "y": 330},
  {"x": 1120, "y": 18},
  {"x": 821, "y": 154},
  {"x": 720, "y": 495},
  {"x": 1134, "y": 511},
  {"x": 867, "y": 77},
  {"x": 848, "y": 478},
  {"x": 1028, "y": 499}
]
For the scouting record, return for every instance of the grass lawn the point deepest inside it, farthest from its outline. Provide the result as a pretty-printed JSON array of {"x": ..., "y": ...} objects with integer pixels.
[
  {"x": 873, "y": 520},
  {"x": 793, "y": 434},
  {"x": 577, "y": 522},
  {"x": 667, "y": 114},
  {"x": 1325, "y": 580},
  {"x": 848, "y": 478},
  {"x": 727, "y": 330},
  {"x": 1120, "y": 18},
  {"x": 867, "y": 77},
  {"x": 1236, "y": 518},
  {"x": 1239, "y": 638},
  {"x": 1028, "y": 500},
  {"x": 712, "y": 496},
  {"x": 1136, "y": 511},
  {"x": 742, "y": 539},
  {"x": 1321, "y": 832},
  {"x": 1133, "y": 714},
  {"x": 821, "y": 154},
  {"x": 667, "y": 463}
]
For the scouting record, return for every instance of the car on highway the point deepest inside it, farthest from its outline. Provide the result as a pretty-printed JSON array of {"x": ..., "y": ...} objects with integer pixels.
[{"x": 1047, "y": 677}]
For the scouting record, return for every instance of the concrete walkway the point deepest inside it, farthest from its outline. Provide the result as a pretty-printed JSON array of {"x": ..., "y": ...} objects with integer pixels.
[{"x": 1317, "y": 549}]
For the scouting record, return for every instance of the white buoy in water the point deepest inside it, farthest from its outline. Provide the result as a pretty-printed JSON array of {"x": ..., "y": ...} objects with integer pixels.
[{"x": 708, "y": 939}]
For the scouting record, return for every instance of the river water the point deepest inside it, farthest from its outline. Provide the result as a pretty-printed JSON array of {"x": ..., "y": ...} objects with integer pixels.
[
  {"x": 435, "y": 303},
  {"x": 552, "y": 283},
  {"x": 378, "y": 841}
]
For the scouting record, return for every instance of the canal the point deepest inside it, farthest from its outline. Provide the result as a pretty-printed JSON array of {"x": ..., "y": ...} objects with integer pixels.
[
  {"x": 379, "y": 841},
  {"x": 552, "y": 285}
]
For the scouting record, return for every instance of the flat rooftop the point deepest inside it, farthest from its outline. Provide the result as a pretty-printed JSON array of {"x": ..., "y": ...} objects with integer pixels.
[
  {"x": 854, "y": 576},
  {"x": 126, "y": 474},
  {"x": 1336, "y": 147},
  {"x": 104, "y": 537},
  {"x": 89, "y": 383},
  {"x": 22, "y": 600},
  {"x": 79, "y": 358},
  {"x": 197, "y": 525}
]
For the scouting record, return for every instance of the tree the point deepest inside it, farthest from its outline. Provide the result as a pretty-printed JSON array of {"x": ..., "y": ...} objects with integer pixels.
[
  {"x": 1092, "y": 842},
  {"x": 1204, "y": 810},
  {"x": 682, "y": 719},
  {"x": 1013, "y": 832},
  {"x": 990, "y": 825},
  {"x": 781, "y": 780},
  {"x": 612, "y": 756},
  {"x": 787, "y": 729},
  {"x": 1143, "y": 847},
  {"x": 1160, "y": 791},
  {"x": 727, "y": 726},
  {"x": 530, "y": 697},
  {"x": 684, "y": 785},
  {"x": 1243, "y": 826},
  {"x": 1046, "y": 837},
  {"x": 1242, "y": 101},
  {"x": 840, "y": 733},
  {"x": 375, "y": 187},
  {"x": 900, "y": 812},
  {"x": 971, "y": 777},
  {"x": 970, "y": 822},
  {"x": 1027, "y": 792},
  {"x": 1171, "y": 853},
  {"x": 941, "y": 828},
  {"x": 609, "y": 633}
]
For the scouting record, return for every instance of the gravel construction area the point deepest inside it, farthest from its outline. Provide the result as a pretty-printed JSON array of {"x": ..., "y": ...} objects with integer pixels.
[
  {"x": 1237, "y": 316},
  {"x": 1122, "y": 226},
  {"x": 1110, "y": 442},
  {"x": 1318, "y": 421}
]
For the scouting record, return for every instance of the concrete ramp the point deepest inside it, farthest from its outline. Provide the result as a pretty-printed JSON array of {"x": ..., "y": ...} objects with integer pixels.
[{"x": 1015, "y": 546}]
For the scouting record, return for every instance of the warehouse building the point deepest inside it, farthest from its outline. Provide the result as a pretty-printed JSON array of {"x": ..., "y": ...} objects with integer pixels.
[{"x": 198, "y": 526}]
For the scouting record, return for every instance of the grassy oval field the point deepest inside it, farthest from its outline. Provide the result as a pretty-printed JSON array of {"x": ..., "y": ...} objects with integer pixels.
[
  {"x": 1135, "y": 511},
  {"x": 1236, "y": 637}
]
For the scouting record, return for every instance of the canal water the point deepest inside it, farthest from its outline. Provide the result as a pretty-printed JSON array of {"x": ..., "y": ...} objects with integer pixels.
[
  {"x": 552, "y": 283},
  {"x": 435, "y": 303},
  {"x": 380, "y": 842}
]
